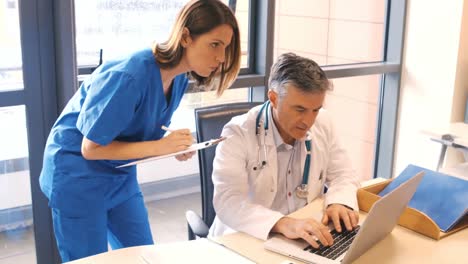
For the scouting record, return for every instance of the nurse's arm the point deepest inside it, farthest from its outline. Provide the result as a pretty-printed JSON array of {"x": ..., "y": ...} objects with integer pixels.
[{"x": 120, "y": 150}]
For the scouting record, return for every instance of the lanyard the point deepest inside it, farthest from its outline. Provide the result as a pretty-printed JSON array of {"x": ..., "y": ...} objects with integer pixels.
[{"x": 305, "y": 175}]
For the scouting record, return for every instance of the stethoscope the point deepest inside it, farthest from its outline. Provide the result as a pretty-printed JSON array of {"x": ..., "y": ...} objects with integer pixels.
[{"x": 302, "y": 191}]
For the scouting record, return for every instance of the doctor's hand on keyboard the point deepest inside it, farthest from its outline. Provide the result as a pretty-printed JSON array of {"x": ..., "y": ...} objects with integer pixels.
[
  {"x": 342, "y": 243},
  {"x": 341, "y": 216},
  {"x": 309, "y": 229}
]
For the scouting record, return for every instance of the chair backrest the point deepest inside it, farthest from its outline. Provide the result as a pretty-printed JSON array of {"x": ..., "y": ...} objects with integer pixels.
[{"x": 210, "y": 121}]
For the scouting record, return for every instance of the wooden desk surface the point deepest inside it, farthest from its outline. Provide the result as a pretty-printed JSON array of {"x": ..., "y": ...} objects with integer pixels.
[
  {"x": 401, "y": 246},
  {"x": 195, "y": 251}
]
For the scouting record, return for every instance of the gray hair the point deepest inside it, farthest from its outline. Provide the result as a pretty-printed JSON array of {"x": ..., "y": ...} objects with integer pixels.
[{"x": 303, "y": 73}]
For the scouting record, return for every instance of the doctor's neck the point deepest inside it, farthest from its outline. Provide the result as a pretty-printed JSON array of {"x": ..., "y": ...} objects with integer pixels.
[{"x": 284, "y": 135}]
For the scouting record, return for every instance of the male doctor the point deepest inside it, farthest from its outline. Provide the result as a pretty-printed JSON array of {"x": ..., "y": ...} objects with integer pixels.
[{"x": 279, "y": 156}]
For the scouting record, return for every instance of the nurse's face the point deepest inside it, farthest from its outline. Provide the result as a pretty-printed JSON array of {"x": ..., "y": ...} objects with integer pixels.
[
  {"x": 295, "y": 113},
  {"x": 205, "y": 53}
]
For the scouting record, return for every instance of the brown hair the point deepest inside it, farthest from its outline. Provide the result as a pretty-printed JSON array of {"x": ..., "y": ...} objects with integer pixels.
[{"x": 200, "y": 17}]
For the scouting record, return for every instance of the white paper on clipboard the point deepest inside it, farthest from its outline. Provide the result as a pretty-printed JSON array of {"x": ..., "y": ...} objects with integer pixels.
[{"x": 194, "y": 147}]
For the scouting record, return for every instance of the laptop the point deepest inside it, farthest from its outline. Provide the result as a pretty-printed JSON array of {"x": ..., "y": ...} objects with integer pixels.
[{"x": 350, "y": 245}]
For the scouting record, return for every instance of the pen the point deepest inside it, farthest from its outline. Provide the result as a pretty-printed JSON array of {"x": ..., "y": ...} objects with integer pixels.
[{"x": 165, "y": 128}]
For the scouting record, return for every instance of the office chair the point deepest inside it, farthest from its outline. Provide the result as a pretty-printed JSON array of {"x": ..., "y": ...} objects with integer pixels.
[{"x": 209, "y": 124}]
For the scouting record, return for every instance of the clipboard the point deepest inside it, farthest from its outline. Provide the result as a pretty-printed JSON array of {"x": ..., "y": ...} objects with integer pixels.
[{"x": 194, "y": 147}]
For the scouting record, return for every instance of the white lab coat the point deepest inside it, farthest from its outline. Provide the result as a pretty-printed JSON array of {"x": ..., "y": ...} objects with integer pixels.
[{"x": 243, "y": 196}]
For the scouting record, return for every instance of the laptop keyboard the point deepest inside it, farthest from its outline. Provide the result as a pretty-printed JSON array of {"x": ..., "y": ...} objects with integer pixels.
[{"x": 341, "y": 243}]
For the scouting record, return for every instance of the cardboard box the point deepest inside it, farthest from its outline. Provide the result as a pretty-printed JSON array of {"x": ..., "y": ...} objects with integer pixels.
[{"x": 411, "y": 218}]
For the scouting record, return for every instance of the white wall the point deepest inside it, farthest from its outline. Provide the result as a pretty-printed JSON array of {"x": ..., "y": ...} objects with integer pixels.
[
  {"x": 434, "y": 85},
  {"x": 461, "y": 83}
]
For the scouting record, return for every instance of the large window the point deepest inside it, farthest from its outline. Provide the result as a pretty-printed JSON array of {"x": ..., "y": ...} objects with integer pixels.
[
  {"x": 10, "y": 47},
  {"x": 16, "y": 222},
  {"x": 119, "y": 27}
]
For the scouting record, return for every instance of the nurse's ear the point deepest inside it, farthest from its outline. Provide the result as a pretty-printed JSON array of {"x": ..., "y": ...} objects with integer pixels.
[
  {"x": 273, "y": 97},
  {"x": 186, "y": 39}
]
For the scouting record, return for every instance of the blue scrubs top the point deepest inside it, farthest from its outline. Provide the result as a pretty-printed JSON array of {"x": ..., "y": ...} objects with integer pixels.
[{"x": 122, "y": 100}]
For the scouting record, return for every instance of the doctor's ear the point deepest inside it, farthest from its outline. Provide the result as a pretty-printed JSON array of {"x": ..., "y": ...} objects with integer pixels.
[
  {"x": 273, "y": 97},
  {"x": 186, "y": 39}
]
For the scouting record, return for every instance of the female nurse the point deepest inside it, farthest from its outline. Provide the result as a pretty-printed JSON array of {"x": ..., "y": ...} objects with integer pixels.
[{"x": 116, "y": 116}]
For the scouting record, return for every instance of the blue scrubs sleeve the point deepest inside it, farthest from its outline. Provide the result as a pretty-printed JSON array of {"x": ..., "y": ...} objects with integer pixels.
[{"x": 109, "y": 106}]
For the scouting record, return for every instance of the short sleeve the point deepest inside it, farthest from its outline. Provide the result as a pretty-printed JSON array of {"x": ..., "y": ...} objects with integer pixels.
[{"x": 109, "y": 106}]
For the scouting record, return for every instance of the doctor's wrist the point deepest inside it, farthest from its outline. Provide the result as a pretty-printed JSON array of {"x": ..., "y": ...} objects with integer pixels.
[
  {"x": 344, "y": 205},
  {"x": 281, "y": 224}
]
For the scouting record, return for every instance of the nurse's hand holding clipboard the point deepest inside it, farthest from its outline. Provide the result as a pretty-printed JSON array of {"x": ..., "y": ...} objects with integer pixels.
[{"x": 185, "y": 156}]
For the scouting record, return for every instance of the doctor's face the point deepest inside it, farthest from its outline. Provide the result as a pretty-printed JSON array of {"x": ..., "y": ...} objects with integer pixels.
[{"x": 295, "y": 112}]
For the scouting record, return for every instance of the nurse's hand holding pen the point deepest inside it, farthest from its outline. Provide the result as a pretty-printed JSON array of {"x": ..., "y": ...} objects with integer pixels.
[{"x": 179, "y": 140}]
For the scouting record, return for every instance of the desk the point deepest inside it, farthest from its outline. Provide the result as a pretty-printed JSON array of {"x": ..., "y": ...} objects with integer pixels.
[
  {"x": 401, "y": 246},
  {"x": 195, "y": 251}
]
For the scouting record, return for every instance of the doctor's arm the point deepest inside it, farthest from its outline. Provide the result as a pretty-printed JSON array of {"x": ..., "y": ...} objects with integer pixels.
[
  {"x": 177, "y": 140},
  {"x": 234, "y": 200},
  {"x": 342, "y": 183}
]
